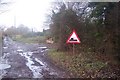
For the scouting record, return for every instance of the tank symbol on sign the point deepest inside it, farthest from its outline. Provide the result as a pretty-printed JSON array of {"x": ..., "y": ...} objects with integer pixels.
[{"x": 72, "y": 39}]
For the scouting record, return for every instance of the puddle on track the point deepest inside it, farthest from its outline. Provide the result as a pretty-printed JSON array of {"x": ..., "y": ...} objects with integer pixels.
[
  {"x": 4, "y": 66},
  {"x": 44, "y": 50},
  {"x": 36, "y": 70},
  {"x": 39, "y": 62},
  {"x": 42, "y": 47},
  {"x": 19, "y": 50},
  {"x": 6, "y": 55},
  {"x": 5, "y": 47}
]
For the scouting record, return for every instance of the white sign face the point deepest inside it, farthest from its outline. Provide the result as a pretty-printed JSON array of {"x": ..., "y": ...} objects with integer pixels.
[{"x": 73, "y": 38}]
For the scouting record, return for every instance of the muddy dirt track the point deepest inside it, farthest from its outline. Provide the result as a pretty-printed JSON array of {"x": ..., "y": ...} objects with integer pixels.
[{"x": 29, "y": 61}]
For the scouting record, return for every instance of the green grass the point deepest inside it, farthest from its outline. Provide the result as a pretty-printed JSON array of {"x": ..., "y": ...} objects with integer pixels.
[
  {"x": 37, "y": 39},
  {"x": 77, "y": 63}
]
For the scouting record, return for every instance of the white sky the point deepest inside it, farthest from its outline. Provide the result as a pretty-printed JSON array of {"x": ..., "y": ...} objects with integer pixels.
[{"x": 31, "y": 13}]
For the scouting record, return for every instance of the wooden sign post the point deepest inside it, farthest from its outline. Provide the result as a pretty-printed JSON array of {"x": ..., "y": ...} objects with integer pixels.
[{"x": 73, "y": 39}]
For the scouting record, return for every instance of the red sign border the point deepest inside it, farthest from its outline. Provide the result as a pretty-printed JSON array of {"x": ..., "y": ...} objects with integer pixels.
[{"x": 70, "y": 36}]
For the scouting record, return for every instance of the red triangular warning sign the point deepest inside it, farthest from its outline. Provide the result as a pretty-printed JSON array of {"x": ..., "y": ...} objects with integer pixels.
[{"x": 73, "y": 38}]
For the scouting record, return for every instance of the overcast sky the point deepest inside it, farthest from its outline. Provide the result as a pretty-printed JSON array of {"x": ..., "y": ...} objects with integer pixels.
[{"x": 28, "y": 12}]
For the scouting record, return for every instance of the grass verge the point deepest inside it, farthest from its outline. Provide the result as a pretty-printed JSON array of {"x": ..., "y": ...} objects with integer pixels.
[
  {"x": 36, "y": 39},
  {"x": 82, "y": 65}
]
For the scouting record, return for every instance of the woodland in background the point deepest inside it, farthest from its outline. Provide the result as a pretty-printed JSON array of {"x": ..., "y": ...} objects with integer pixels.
[{"x": 97, "y": 25}]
